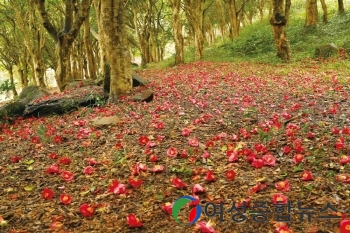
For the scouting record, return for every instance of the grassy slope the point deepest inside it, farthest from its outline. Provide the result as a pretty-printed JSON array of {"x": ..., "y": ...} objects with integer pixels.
[{"x": 256, "y": 44}]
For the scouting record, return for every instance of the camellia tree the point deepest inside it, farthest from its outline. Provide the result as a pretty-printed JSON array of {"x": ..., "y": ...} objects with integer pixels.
[
  {"x": 75, "y": 15},
  {"x": 278, "y": 21},
  {"x": 115, "y": 43}
]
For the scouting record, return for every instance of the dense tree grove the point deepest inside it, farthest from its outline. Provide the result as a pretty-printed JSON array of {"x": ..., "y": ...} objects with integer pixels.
[{"x": 79, "y": 38}]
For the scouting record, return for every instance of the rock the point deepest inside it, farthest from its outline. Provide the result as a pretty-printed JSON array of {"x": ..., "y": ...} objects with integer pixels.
[
  {"x": 326, "y": 51},
  {"x": 66, "y": 101},
  {"x": 146, "y": 95},
  {"x": 105, "y": 121},
  {"x": 12, "y": 109},
  {"x": 16, "y": 108},
  {"x": 31, "y": 93},
  {"x": 78, "y": 83},
  {"x": 346, "y": 47},
  {"x": 137, "y": 80}
]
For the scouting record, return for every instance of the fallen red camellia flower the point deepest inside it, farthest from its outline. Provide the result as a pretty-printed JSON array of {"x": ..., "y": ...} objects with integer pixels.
[
  {"x": 345, "y": 226},
  {"x": 15, "y": 159},
  {"x": 184, "y": 153},
  {"x": 133, "y": 221},
  {"x": 47, "y": 194},
  {"x": 197, "y": 188},
  {"x": 65, "y": 198},
  {"x": 232, "y": 155},
  {"x": 205, "y": 227},
  {"x": 167, "y": 208},
  {"x": 143, "y": 140},
  {"x": 298, "y": 158},
  {"x": 344, "y": 160},
  {"x": 258, "y": 163},
  {"x": 92, "y": 161},
  {"x": 339, "y": 144},
  {"x": 257, "y": 188},
  {"x": 307, "y": 176},
  {"x": 135, "y": 183},
  {"x": 210, "y": 176},
  {"x": 178, "y": 183},
  {"x": 171, "y": 152},
  {"x": 53, "y": 169},
  {"x": 344, "y": 178},
  {"x": 269, "y": 160},
  {"x": 286, "y": 150},
  {"x": 283, "y": 186},
  {"x": 87, "y": 210},
  {"x": 230, "y": 175},
  {"x": 193, "y": 142},
  {"x": 67, "y": 176},
  {"x": 64, "y": 160},
  {"x": 157, "y": 168},
  {"x": 88, "y": 170},
  {"x": 53, "y": 156},
  {"x": 186, "y": 132},
  {"x": 279, "y": 198},
  {"x": 117, "y": 188},
  {"x": 281, "y": 227},
  {"x": 153, "y": 158}
]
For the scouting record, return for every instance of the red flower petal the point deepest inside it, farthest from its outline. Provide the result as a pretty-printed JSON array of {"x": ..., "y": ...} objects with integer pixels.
[
  {"x": 88, "y": 170},
  {"x": 167, "y": 208},
  {"x": 133, "y": 221},
  {"x": 65, "y": 198},
  {"x": 172, "y": 152},
  {"x": 47, "y": 194},
  {"x": 67, "y": 176},
  {"x": 178, "y": 183},
  {"x": 87, "y": 210},
  {"x": 197, "y": 188},
  {"x": 230, "y": 174}
]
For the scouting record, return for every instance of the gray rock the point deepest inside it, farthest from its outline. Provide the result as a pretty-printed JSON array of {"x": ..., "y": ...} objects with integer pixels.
[
  {"x": 146, "y": 95},
  {"x": 137, "y": 80},
  {"x": 326, "y": 51},
  {"x": 105, "y": 121}
]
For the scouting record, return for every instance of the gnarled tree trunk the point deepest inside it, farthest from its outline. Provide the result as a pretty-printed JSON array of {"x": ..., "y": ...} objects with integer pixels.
[
  {"x": 325, "y": 12},
  {"x": 311, "y": 13},
  {"x": 341, "y": 9},
  {"x": 179, "y": 42},
  {"x": 278, "y": 22},
  {"x": 64, "y": 38},
  {"x": 116, "y": 47},
  {"x": 194, "y": 13}
]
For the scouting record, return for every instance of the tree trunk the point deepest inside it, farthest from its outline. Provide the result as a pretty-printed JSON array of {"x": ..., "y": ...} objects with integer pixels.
[
  {"x": 341, "y": 9},
  {"x": 34, "y": 40},
  {"x": 287, "y": 10},
  {"x": 23, "y": 71},
  {"x": 221, "y": 15},
  {"x": 91, "y": 65},
  {"x": 101, "y": 46},
  {"x": 112, "y": 16},
  {"x": 65, "y": 38},
  {"x": 311, "y": 13},
  {"x": 278, "y": 22},
  {"x": 63, "y": 52},
  {"x": 234, "y": 22},
  {"x": 194, "y": 13},
  {"x": 179, "y": 42},
  {"x": 12, "y": 82},
  {"x": 325, "y": 12}
]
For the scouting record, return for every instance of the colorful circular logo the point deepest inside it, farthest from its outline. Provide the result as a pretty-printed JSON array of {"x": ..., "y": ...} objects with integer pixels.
[{"x": 195, "y": 212}]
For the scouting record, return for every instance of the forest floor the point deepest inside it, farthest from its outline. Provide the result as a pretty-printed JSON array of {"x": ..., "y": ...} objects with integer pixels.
[{"x": 220, "y": 132}]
